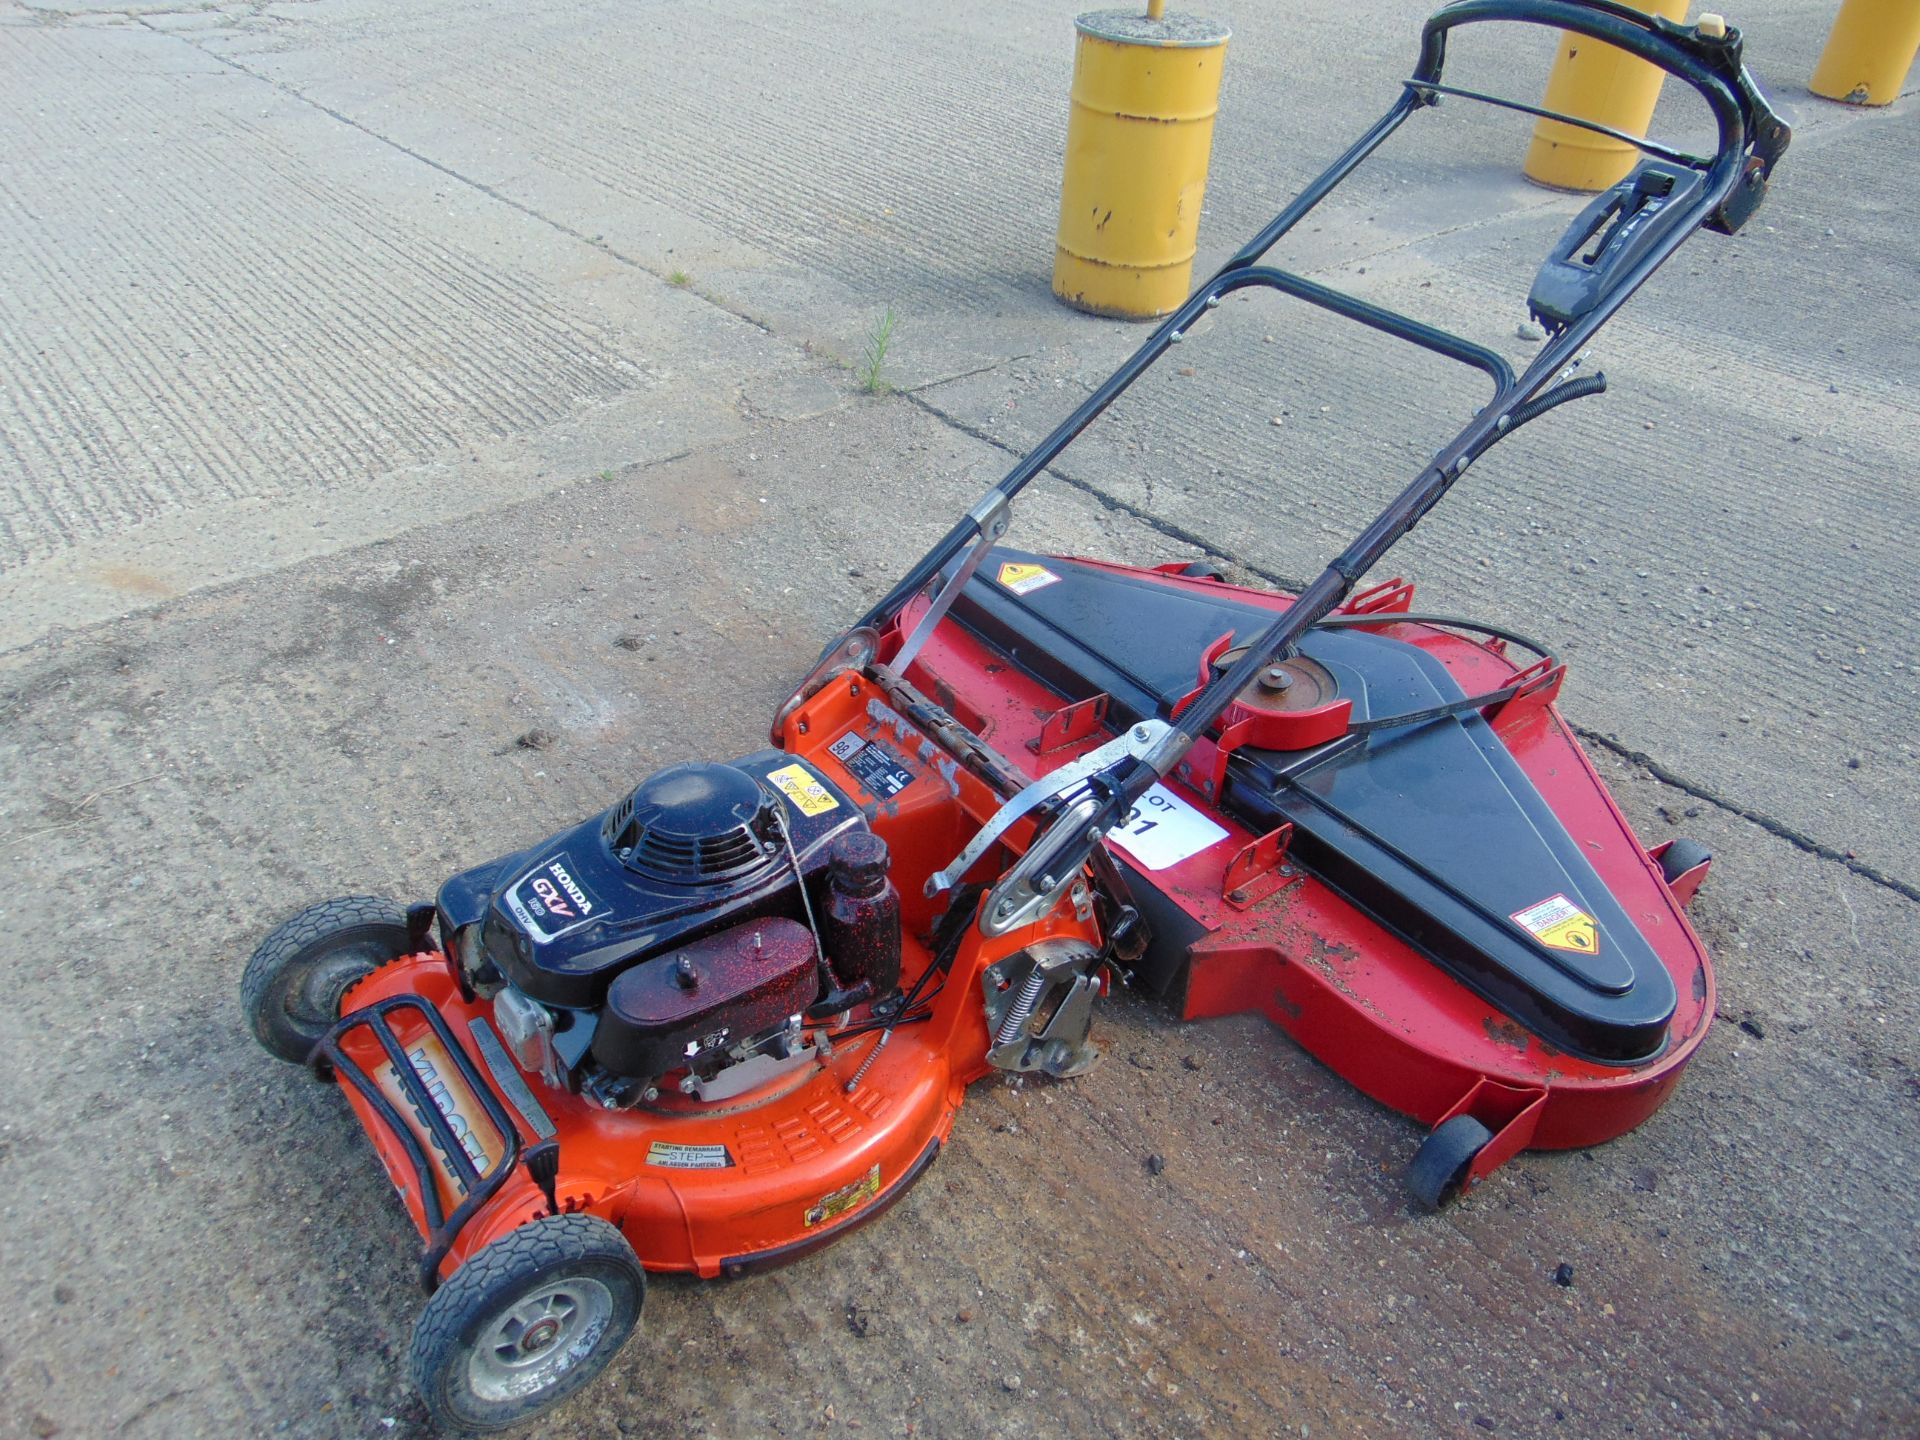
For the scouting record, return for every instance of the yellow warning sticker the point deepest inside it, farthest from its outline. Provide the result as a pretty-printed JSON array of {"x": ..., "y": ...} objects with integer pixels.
[
  {"x": 1559, "y": 924},
  {"x": 833, "y": 1206},
  {"x": 808, "y": 795},
  {"x": 1023, "y": 577}
]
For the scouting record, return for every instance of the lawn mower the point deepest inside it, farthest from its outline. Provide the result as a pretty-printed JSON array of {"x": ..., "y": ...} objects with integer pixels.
[{"x": 732, "y": 1017}]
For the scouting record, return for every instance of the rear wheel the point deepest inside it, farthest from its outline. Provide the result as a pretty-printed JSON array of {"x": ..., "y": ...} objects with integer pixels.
[
  {"x": 295, "y": 981},
  {"x": 1440, "y": 1165},
  {"x": 526, "y": 1323}
]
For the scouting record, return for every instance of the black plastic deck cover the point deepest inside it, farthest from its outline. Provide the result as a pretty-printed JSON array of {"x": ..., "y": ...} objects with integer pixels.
[{"x": 1433, "y": 830}]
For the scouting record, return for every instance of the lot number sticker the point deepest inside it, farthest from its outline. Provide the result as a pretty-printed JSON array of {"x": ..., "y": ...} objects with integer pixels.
[{"x": 1165, "y": 830}]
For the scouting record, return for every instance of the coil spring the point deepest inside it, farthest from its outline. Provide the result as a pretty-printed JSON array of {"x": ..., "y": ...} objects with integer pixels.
[
  {"x": 867, "y": 1064},
  {"x": 1022, "y": 1010}
]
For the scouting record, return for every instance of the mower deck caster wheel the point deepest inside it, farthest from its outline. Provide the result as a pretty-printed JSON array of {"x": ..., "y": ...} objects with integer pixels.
[
  {"x": 526, "y": 1322},
  {"x": 295, "y": 981},
  {"x": 1441, "y": 1163},
  {"x": 1681, "y": 856}
]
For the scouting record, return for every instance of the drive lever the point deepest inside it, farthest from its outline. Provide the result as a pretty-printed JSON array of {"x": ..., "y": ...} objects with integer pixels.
[{"x": 1141, "y": 742}]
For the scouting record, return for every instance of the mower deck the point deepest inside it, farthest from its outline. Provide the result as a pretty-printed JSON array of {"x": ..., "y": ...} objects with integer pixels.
[{"x": 1391, "y": 954}]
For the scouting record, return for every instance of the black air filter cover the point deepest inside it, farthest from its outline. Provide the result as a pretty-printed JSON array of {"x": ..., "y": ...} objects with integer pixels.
[
  {"x": 743, "y": 981},
  {"x": 695, "y": 823}
]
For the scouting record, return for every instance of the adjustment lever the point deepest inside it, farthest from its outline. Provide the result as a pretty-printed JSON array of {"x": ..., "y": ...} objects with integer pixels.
[{"x": 1609, "y": 237}]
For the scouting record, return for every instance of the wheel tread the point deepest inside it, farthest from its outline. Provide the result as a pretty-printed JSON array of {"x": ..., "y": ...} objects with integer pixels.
[
  {"x": 537, "y": 1248},
  {"x": 295, "y": 934},
  {"x": 1443, "y": 1158}
]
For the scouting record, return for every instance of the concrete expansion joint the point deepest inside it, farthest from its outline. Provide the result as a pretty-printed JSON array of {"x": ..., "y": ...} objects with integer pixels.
[
  {"x": 478, "y": 186},
  {"x": 1778, "y": 828}
]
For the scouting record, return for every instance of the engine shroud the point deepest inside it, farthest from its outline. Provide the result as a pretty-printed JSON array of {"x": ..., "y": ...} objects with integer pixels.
[{"x": 694, "y": 849}]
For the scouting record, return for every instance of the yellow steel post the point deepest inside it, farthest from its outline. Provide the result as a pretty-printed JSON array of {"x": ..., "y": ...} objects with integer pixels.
[
  {"x": 1869, "y": 51},
  {"x": 1601, "y": 83},
  {"x": 1145, "y": 91}
]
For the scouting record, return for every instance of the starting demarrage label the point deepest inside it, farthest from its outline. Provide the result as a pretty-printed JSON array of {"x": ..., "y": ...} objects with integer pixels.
[
  {"x": 689, "y": 1157},
  {"x": 1559, "y": 924}
]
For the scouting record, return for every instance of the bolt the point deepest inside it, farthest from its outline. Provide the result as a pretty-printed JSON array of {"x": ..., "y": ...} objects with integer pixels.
[
  {"x": 1140, "y": 733},
  {"x": 1276, "y": 678}
]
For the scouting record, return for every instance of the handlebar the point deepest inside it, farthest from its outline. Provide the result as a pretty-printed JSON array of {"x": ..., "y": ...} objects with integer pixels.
[{"x": 1752, "y": 134}]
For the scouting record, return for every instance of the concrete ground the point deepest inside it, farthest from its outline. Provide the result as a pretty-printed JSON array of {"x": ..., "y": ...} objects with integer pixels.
[{"x": 366, "y": 372}]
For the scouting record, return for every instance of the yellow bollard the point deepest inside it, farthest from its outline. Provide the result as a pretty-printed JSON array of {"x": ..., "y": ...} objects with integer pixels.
[
  {"x": 1145, "y": 91},
  {"x": 1603, "y": 84},
  {"x": 1869, "y": 52}
]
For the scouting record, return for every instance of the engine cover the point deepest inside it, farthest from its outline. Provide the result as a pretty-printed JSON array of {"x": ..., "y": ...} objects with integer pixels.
[
  {"x": 692, "y": 850},
  {"x": 745, "y": 980}
]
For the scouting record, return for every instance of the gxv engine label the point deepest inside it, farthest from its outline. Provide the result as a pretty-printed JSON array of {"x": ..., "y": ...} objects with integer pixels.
[{"x": 548, "y": 902}]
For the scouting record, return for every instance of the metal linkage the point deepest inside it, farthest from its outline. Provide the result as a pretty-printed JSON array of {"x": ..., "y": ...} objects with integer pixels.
[
  {"x": 1142, "y": 742},
  {"x": 1030, "y": 1030},
  {"x": 992, "y": 515}
]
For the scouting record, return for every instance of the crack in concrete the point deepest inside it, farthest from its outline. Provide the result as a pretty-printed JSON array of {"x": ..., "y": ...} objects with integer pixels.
[
  {"x": 1111, "y": 503},
  {"x": 1799, "y": 839}
]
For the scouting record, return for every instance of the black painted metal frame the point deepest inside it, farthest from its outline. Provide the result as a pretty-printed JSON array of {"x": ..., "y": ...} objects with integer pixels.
[
  {"x": 328, "y": 1060},
  {"x": 1751, "y": 136}
]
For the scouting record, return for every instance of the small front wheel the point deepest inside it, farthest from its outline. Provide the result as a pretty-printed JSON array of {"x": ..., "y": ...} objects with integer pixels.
[
  {"x": 526, "y": 1322},
  {"x": 295, "y": 981},
  {"x": 1440, "y": 1165}
]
